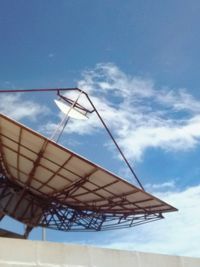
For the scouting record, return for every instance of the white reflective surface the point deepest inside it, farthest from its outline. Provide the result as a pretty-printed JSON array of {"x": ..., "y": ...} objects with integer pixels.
[{"x": 70, "y": 111}]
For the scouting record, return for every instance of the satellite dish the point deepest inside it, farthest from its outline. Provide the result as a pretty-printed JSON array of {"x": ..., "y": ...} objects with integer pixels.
[
  {"x": 45, "y": 184},
  {"x": 71, "y": 111}
]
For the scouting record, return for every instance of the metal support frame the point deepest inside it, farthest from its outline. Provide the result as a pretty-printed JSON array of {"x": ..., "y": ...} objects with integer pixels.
[{"x": 50, "y": 211}]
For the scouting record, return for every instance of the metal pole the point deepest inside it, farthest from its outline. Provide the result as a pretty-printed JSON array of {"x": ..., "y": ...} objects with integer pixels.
[
  {"x": 64, "y": 122},
  {"x": 43, "y": 234},
  {"x": 114, "y": 141},
  {"x": 39, "y": 90}
]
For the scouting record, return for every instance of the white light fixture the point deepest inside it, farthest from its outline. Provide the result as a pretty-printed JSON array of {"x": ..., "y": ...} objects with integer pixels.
[{"x": 71, "y": 111}]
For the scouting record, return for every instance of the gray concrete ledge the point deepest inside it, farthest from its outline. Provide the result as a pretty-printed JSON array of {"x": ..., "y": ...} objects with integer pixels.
[{"x": 21, "y": 253}]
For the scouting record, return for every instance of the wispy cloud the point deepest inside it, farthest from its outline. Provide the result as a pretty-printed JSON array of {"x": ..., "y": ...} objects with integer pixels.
[
  {"x": 51, "y": 55},
  {"x": 140, "y": 115},
  {"x": 167, "y": 186},
  {"x": 18, "y": 108},
  {"x": 179, "y": 101}
]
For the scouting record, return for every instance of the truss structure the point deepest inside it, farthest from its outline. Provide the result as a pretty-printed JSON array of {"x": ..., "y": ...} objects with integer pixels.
[{"x": 34, "y": 210}]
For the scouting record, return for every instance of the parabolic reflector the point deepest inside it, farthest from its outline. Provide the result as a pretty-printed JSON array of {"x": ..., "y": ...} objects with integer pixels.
[
  {"x": 70, "y": 110},
  {"x": 43, "y": 183}
]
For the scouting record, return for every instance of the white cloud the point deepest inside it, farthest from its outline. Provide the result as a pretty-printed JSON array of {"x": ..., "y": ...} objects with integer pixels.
[
  {"x": 178, "y": 234},
  {"x": 180, "y": 101},
  {"x": 51, "y": 55},
  {"x": 168, "y": 135},
  {"x": 140, "y": 115},
  {"x": 169, "y": 185},
  {"x": 108, "y": 77},
  {"x": 16, "y": 107}
]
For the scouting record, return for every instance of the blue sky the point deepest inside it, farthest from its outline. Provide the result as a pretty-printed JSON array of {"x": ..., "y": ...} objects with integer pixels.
[{"x": 136, "y": 59}]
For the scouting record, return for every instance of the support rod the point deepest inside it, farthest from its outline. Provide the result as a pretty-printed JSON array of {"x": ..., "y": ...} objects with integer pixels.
[
  {"x": 114, "y": 141},
  {"x": 39, "y": 90}
]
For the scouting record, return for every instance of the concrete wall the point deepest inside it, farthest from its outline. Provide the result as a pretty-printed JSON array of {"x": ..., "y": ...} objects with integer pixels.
[{"x": 21, "y": 253}]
